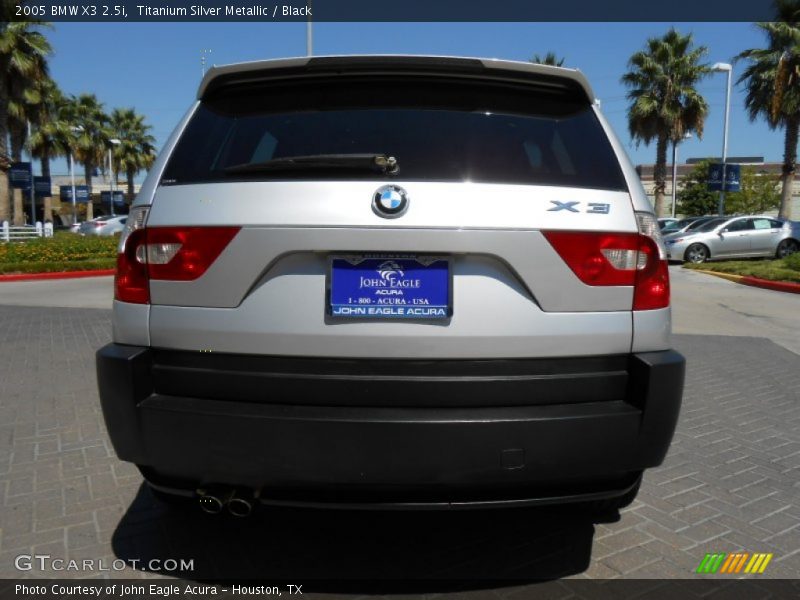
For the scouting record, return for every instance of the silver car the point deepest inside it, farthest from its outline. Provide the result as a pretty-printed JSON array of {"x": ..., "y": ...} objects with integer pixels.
[
  {"x": 392, "y": 281},
  {"x": 105, "y": 225},
  {"x": 735, "y": 237}
]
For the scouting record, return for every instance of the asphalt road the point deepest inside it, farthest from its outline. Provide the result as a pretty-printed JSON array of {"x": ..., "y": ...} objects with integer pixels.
[
  {"x": 86, "y": 292},
  {"x": 704, "y": 304}
]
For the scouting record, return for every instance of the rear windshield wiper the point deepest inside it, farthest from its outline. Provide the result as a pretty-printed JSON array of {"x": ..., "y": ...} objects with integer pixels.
[{"x": 361, "y": 162}]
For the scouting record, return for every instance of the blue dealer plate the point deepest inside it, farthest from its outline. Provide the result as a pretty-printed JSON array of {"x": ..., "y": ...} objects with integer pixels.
[{"x": 393, "y": 287}]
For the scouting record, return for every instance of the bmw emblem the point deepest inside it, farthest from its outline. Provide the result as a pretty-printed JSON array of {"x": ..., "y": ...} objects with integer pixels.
[{"x": 390, "y": 201}]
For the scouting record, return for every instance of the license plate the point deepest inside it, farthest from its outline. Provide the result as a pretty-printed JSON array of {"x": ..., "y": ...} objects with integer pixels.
[{"x": 390, "y": 287}]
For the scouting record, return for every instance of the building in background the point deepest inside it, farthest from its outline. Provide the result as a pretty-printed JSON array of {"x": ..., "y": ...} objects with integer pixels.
[{"x": 756, "y": 162}]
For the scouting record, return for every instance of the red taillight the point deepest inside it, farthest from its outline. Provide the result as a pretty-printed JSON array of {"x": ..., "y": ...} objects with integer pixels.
[
  {"x": 184, "y": 253},
  {"x": 652, "y": 281},
  {"x": 587, "y": 254},
  {"x": 616, "y": 259},
  {"x": 165, "y": 253},
  {"x": 130, "y": 282}
]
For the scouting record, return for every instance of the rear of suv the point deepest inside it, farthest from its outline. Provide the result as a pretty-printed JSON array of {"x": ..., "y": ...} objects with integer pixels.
[{"x": 389, "y": 281}]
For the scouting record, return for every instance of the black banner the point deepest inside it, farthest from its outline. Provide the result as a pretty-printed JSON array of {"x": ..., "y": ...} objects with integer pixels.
[
  {"x": 175, "y": 589},
  {"x": 405, "y": 10}
]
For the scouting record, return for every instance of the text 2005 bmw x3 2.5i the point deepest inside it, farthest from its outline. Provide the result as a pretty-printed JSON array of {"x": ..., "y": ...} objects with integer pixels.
[{"x": 392, "y": 281}]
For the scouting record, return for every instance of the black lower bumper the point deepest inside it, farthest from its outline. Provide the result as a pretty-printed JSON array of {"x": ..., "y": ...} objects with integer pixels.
[{"x": 321, "y": 431}]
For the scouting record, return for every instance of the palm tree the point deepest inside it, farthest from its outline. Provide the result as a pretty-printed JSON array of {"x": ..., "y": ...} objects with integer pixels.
[
  {"x": 51, "y": 132},
  {"x": 664, "y": 103},
  {"x": 136, "y": 150},
  {"x": 85, "y": 114},
  {"x": 549, "y": 59},
  {"x": 50, "y": 135},
  {"x": 772, "y": 82},
  {"x": 23, "y": 52}
]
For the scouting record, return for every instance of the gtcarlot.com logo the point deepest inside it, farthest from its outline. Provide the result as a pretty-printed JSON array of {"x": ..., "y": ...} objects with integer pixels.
[
  {"x": 738, "y": 562},
  {"x": 45, "y": 562}
]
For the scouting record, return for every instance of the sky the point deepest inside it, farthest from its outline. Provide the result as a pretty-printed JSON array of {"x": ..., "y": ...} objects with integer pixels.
[{"x": 155, "y": 67}]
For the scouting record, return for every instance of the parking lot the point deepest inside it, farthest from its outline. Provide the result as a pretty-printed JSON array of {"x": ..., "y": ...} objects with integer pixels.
[{"x": 731, "y": 482}]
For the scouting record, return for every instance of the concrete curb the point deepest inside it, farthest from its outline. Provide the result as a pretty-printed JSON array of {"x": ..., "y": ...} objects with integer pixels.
[
  {"x": 778, "y": 286},
  {"x": 56, "y": 275}
]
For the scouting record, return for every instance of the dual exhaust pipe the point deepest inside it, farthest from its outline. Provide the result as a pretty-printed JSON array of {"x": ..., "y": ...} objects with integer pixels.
[{"x": 214, "y": 501}]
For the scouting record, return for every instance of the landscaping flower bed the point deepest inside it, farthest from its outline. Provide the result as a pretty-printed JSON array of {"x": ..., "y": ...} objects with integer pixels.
[{"x": 62, "y": 252}]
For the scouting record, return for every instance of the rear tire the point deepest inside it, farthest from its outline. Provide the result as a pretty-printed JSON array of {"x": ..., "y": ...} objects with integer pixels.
[
  {"x": 696, "y": 253},
  {"x": 785, "y": 248}
]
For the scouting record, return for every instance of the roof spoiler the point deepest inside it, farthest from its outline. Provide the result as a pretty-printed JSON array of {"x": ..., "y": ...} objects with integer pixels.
[{"x": 570, "y": 81}]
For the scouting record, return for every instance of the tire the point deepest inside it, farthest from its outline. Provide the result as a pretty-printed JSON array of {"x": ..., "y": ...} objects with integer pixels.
[
  {"x": 613, "y": 504},
  {"x": 786, "y": 247},
  {"x": 696, "y": 253}
]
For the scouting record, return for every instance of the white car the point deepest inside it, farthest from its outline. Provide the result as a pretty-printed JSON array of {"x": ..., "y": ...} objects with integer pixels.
[{"x": 105, "y": 225}]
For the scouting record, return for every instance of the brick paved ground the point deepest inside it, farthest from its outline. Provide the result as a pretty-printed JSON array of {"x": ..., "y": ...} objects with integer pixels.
[{"x": 730, "y": 483}]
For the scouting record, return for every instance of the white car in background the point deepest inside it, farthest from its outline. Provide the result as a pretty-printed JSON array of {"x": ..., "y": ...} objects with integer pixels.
[{"x": 105, "y": 225}]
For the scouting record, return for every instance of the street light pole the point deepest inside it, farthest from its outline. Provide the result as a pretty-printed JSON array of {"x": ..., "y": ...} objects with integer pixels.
[
  {"x": 33, "y": 187},
  {"x": 203, "y": 61},
  {"x": 675, "y": 171},
  {"x": 74, "y": 129},
  {"x": 112, "y": 142},
  {"x": 72, "y": 178},
  {"x": 724, "y": 68}
]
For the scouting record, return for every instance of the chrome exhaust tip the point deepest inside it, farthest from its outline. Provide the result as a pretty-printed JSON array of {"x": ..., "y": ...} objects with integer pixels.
[
  {"x": 210, "y": 503},
  {"x": 240, "y": 506}
]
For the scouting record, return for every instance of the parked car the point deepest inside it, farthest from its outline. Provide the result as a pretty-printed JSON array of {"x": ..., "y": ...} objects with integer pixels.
[
  {"x": 392, "y": 282},
  {"x": 687, "y": 224},
  {"x": 666, "y": 222},
  {"x": 737, "y": 237},
  {"x": 105, "y": 225}
]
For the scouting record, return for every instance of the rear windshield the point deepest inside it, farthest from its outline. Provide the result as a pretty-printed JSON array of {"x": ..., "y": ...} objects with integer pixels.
[{"x": 437, "y": 131}]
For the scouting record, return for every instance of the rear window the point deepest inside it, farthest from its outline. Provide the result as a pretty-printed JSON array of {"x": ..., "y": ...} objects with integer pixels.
[{"x": 439, "y": 131}]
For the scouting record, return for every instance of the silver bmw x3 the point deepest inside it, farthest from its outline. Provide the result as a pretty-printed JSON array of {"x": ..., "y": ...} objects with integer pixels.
[{"x": 392, "y": 281}]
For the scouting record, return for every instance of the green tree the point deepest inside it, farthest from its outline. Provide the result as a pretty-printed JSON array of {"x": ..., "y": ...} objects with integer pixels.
[
  {"x": 136, "y": 150},
  {"x": 23, "y": 53},
  {"x": 759, "y": 193},
  {"x": 772, "y": 83},
  {"x": 549, "y": 59},
  {"x": 50, "y": 134},
  {"x": 90, "y": 140},
  {"x": 694, "y": 198},
  {"x": 664, "y": 102}
]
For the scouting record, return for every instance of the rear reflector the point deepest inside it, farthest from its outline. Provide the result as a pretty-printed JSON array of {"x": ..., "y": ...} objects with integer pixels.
[{"x": 618, "y": 259}]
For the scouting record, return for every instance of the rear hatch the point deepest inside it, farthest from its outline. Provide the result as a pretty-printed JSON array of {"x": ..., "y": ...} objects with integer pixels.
[{"x": 272, "y": 229}]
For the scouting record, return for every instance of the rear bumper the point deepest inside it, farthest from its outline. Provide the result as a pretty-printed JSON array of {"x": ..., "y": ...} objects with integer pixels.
[{"x": 391, "y": 433}]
